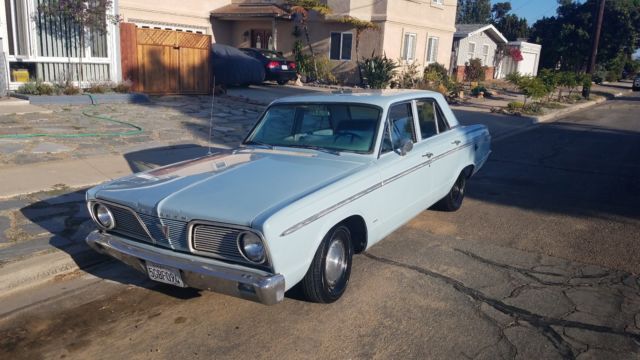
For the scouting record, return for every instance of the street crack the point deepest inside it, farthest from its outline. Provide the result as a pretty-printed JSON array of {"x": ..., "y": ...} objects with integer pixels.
[{"x": 540, "y": 322}]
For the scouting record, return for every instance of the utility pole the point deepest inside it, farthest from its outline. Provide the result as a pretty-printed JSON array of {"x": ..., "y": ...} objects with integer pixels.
[{"x": 596, "y": 39}]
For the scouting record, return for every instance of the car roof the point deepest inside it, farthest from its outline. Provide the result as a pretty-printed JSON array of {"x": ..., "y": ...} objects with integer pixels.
[{"x": 382, "y": 98}]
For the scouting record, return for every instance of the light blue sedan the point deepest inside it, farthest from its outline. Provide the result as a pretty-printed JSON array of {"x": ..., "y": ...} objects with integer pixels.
[{"x": 318, "y": 179}]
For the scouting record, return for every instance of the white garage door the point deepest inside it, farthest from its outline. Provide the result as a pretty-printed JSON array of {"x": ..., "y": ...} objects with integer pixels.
[{"x": 528, "y": 63}]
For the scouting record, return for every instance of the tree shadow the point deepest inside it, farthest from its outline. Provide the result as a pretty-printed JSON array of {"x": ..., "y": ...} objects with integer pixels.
[{"x": 565, "y": 168}]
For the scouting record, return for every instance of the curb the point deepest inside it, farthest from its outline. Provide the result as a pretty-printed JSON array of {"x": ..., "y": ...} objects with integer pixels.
[
  {"x": 40, "y": 268},
  {"x": 569, "y": 110}
]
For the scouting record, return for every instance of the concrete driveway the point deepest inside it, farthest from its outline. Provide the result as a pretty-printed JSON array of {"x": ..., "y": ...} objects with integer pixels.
[{"x": 540, "y": 262}]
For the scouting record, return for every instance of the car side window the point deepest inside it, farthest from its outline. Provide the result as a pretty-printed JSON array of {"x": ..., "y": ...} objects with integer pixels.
[
  {"x": 429, "y": 114},
  {"x": 401, "y": 120},
  {"x": 427, "y": 118}
]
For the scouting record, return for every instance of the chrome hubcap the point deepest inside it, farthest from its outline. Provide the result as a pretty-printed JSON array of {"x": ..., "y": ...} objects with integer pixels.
[{"x": 336, "y": 262}]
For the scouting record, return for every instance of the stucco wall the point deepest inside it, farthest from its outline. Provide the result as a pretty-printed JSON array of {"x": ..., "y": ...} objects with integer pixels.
[
  {"x": 480, "y": 40},
  {"x": 186, "y": 13}
]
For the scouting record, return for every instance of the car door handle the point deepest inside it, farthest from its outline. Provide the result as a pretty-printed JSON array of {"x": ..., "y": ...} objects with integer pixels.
[
  {"x": 427, "y": 155},
  {"x": 456, "y": 142}
]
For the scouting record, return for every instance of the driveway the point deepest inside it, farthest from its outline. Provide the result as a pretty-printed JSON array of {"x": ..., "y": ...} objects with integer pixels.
[{"x": 540, "y": 262}]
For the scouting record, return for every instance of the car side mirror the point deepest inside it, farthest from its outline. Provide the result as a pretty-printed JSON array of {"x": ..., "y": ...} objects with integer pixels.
[{"x": 406, "y": 145}]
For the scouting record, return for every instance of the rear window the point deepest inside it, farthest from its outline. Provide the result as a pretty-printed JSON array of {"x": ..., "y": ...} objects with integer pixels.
[{"x": 272, "y": 55}]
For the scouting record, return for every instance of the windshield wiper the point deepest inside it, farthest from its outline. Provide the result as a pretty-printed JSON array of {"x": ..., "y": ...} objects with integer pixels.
[
  {"x": 254, "y": 142},
  {"x": 317, "y": 148}
]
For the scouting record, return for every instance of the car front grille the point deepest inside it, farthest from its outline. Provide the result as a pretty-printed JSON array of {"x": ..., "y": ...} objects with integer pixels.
[
  {"x": 218, "y": 240},
  {"x": 127, "y": 224}
]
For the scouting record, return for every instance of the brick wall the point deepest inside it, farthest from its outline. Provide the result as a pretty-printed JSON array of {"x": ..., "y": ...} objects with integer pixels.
[{"x": 459, "y": 73}]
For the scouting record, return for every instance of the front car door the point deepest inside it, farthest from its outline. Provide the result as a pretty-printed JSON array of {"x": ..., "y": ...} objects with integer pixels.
[{"x": 396, "y": 200}]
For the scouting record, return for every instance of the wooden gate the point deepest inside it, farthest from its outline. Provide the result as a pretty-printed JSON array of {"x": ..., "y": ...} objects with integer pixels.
[{"x": 165, "y": 62}]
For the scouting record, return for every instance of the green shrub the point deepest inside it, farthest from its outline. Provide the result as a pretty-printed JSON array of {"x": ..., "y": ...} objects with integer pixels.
[
  {"x": 70, "y": 89},
  {"x": 28, "y": 88},
  {"x": 436, "y": 73},
  {"x": 569, "y": 80},
  {"x": 514, "y": 78},
  {"x": 480, "y": 89},
  {"x": 474, "y": 71},
  {"x": 550, "y": 80},
  {"x": 98, "y": 88},
  {"x": 325, "y": 75},
  {"x": 408, "y": 78},
  {"x": 378, "y": 71},
  {"x": 515, "y": 106},
  {"x": 532, "y": 108},
  {"x": 36, "y": 88},
  {"x": 532, "y": 87},
  {"x": 123, "y": 87}
]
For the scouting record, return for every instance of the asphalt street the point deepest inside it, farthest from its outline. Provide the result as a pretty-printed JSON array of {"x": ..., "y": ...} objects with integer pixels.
[{"x": 541, "y": 262}]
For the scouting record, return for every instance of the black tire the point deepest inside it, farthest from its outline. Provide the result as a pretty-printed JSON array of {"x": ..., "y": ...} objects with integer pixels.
[
  {"x": 453, "y": 200},
  {"x": 282, "y": 82},
  {"x": 320, "y": 284}
]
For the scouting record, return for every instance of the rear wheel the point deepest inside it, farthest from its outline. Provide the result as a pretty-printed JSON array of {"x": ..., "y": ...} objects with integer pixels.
[
  {"x": 282, "y": 82},
  {"x": 453, "y": 200},
  {"x": 328, "y": 276}
]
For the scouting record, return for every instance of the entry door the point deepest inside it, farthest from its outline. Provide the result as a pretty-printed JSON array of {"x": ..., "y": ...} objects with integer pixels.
[{"x": 262, "y": 39}]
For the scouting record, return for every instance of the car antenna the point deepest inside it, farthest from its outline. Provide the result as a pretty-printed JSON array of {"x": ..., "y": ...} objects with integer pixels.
[{"x": 213, "y": 97}]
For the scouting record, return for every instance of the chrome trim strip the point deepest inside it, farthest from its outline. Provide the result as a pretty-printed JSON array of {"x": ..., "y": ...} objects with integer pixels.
[
  {"x": 190, "y": 227},
  {"x": 135, "y": 214},
  {"x": 384, "y": 182}
]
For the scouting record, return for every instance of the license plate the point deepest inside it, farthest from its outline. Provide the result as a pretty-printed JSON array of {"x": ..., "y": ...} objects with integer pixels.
[
  {"x": 285, "y": 67},
  {"x": 164, "y": 274}
]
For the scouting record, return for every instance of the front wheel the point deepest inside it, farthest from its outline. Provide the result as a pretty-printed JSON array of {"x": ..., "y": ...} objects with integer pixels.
[
  {"x": 453, "y": 200},
  {"x": 328, "y": 276}
]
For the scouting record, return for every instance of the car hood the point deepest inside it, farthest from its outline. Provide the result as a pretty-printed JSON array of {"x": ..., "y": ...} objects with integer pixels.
[{"x": 233, "y": 187}]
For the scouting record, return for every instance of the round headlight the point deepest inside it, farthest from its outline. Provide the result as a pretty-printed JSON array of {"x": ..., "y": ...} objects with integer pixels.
[
  {"x": 104, "y": 217},
  {"x": 251, "y": 247}
]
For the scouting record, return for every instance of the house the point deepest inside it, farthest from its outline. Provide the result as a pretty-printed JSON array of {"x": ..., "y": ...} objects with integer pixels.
[
  {"x": 410, "y": 31},
  {"x": 520, "y": 56},
  {"x": 476, "y": 41},
  {"x": 38, "y": 47},
  {"x": 164, "y": 48}
]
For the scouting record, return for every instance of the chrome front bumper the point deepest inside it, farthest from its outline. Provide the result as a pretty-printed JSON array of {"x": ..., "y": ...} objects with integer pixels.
[{"x": 196, "y": 272}]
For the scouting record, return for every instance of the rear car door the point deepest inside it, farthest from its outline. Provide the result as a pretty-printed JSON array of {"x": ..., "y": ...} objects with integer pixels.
[{"x": 439, "y": 144}]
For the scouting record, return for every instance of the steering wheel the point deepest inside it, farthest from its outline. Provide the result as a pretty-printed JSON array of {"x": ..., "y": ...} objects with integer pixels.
[{"x": 340, "y": 134}]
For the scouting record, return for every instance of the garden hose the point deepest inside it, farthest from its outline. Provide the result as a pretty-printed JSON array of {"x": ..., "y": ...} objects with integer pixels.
[{"x": 138, "y": 129}]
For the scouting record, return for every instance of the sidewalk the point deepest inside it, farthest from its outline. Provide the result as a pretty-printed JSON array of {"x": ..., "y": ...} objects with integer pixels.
[{"x": 15, "y": 106}]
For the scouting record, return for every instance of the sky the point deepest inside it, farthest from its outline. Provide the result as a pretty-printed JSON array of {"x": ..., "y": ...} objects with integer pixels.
[{"x": 532, "y": 10}]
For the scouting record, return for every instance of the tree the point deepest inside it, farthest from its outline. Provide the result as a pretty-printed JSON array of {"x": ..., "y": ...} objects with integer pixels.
[
  {"x": 513, "y": 27},
  {"x": 361, "y": 26},
  {"x": 566, "y": 37},
  {"x": 301, "y": 9},
  {"x": 473, "y": 12},
  {"x": 84, "y": 15},
  {"x": 499, "y": 10}
]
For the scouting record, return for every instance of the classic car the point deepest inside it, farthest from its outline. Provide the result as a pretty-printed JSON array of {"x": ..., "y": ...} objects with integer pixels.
[{"x": 318, "y": 179}]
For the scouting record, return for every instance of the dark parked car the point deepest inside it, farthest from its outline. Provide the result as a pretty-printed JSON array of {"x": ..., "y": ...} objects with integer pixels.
[
  {"x": 636, "y": 83},
  {"x": 276, "y": 67},
  {"x": 234, "y": 67}
]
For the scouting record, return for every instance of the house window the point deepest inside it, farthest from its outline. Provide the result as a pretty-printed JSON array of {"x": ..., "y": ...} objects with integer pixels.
[
  {"x": 432, "y": 49},
  {"x": 17, "y": 26},
  {"x": 485, "y": 55},
  {"x": 472, "y": 51},
  {"x": 437, "y": 2},
  {"x": 409, "y": 50},
  {"x": 341, "y": 46}
]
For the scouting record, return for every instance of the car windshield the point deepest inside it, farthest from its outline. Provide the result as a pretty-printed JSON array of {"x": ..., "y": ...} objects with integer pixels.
[{"x": 330, "y": 127}]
